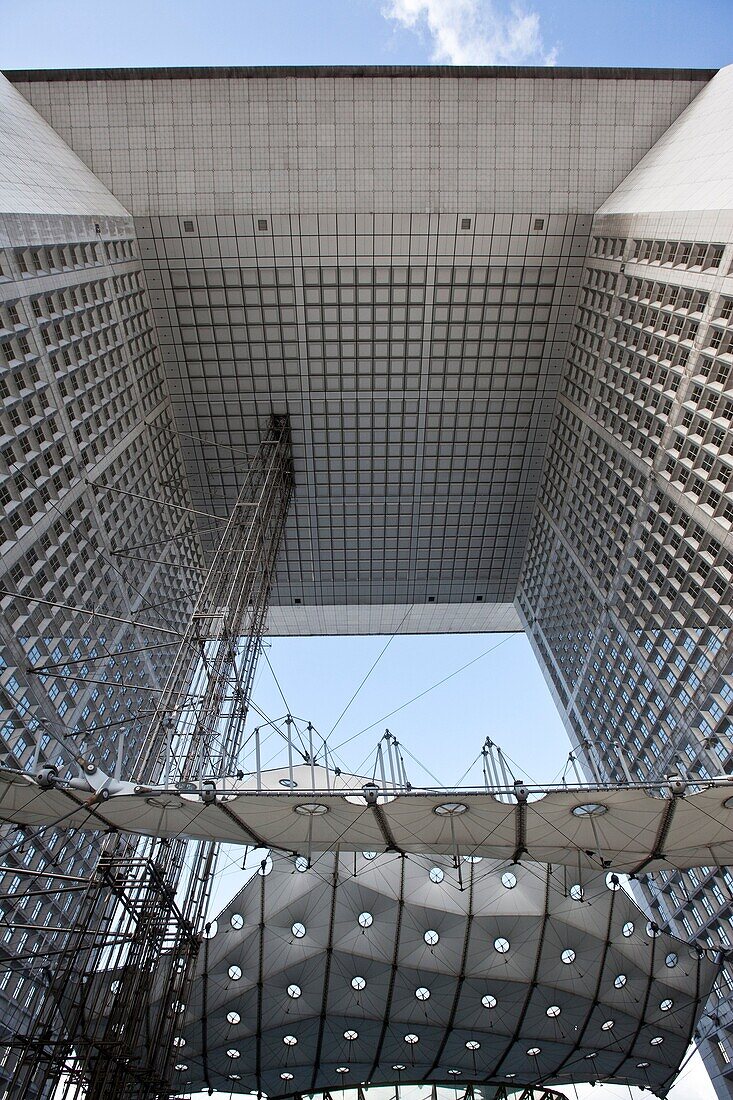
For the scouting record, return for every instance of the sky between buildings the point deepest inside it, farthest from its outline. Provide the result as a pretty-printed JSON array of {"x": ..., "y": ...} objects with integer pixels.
[
  {"x": 98, "y": 33},
  {"x": 501, "y": 694}
]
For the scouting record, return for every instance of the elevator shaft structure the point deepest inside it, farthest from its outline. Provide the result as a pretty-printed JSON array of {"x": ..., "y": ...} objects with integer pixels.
[
  {"x": 107, "y": 1024},
  {"x": 196, "y": 732}
]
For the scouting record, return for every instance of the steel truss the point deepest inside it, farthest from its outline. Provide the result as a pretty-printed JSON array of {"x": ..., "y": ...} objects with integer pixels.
[{"x": 112, "y": 993}]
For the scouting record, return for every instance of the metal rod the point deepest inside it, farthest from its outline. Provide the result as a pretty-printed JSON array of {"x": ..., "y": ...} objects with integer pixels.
[
  {"x": 88, "y": 613},
  {"x": 152, "y": 500}
]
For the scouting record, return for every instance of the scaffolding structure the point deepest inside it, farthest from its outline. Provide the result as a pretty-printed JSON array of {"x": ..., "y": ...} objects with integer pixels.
[{"x": 106, "y": 1021}]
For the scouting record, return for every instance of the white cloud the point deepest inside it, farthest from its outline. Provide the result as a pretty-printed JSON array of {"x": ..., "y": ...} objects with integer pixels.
[{"x": 474, "y": 32}]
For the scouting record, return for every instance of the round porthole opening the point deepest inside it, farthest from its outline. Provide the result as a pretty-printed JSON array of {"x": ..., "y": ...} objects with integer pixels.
[
  {"x": 311, "y": 809},
  {"x": 450, "y": 809},
  {"x": 590, "y": 809}
]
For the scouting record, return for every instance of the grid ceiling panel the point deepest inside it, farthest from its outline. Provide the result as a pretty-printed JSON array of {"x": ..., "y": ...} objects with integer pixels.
[
  {"x": 418, "y": 360},
  {"x": 297, "y": 262}
]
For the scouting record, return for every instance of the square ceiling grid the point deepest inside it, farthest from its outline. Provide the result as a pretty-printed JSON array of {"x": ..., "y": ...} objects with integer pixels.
[{"x": 418, "y": 357}]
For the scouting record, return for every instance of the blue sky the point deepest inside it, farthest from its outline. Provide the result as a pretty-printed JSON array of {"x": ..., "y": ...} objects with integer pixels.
[
  {"x": 85, "y": 33},
  {"x": 502, "y": 694}
]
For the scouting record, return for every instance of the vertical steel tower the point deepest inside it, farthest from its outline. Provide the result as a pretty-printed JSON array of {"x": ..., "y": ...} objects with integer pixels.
[{"x": 108, "y": 1018}]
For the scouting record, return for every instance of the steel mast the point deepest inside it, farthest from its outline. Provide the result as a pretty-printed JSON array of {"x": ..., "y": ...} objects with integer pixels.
[{"x": 107, "y": 1021}]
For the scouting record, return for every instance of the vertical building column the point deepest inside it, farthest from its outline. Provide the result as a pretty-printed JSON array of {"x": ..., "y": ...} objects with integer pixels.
[{"x": 626, "y": 588}]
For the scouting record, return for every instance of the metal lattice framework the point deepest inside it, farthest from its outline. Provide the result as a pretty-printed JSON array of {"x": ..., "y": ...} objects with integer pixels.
[{"x": 143, "y": 909}]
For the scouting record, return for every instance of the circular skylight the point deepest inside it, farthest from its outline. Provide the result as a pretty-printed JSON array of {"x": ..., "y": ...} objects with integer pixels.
[
  {"x": 657, "y": 1041},
  {"x": 290, "y": 1040},
  {"x": 590, "y": 809},
  {"x": 311, "y": 809},
  {"x": 608, "y": 1025},
  {"x": 666, "y": 1004},
  {"x": 411, "y": 1038},
  {"x": 233, "y": 1053},
  {"x": 431, "y": 937},
  {"x": 450, "y": 809},
  {"x": 422, "y": 993},
  {"x": 619, "y": 981},
  {"x": 298, "y": 930},
  {"x": 552, "y": 1011},
  {"x": 235, "y": 972},
  {"x": 568, "y": 956},
  {"x": 576, "y": 892},
  {"x": 534, "y": 1051},
  {"x": 369, "y": 855},
  {"x": 289, "y": 783},
  {"x": 366, "y": 919},
  {"x": 398, "y": 1067},
  {"x": 294, "y": 991},
  {"x": 179, "y": 1041},
  {"x": 501, "y": 944},
  {"x": 671, "y": 960},
  {"x": 473, "y": 1044},
  {"x": 342, "y": 1069},
  {"x": 285, "y": 1076},
  {"x": 436, "y": 875},
  {"x": 488, "y": 1001},
  {"x": 236, "y": 920},
  {"x": 358, "y": 982},
  {"x": 628, "y": 928},
  {"x": 302, "y": 864},
  {"x": 233, "y": 1017},
  {"x": 509, "y": 880},
  {"x": 181, "y": 1066},
  {"x": 350, "y": 1034}
]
